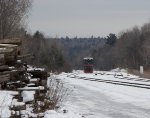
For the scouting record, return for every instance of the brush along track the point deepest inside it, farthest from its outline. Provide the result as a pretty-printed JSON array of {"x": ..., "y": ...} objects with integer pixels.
[{"x": 132, "y": 84}]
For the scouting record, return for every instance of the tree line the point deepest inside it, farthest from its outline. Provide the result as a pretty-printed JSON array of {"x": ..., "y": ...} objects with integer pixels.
[
  {"x": 129, "y": 49},
  {"x": 46, "y": 52},
  {"x": 12, "y": 16}
]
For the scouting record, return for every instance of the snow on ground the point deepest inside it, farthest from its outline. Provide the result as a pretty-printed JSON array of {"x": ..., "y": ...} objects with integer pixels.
[
  {"x": 31, "y": 68},
  {"x": 28, "y": 96},
  {"x": 54, "y": 114},
  {"x": 104, "y": 100},
  {"x": 117, "y": 76},
  {"x": 90, "y": 99},
  {"x": 5, "y": 102}
]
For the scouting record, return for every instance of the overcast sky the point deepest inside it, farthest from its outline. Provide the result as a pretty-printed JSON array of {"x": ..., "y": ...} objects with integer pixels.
[{"x": 84, "y": 18}]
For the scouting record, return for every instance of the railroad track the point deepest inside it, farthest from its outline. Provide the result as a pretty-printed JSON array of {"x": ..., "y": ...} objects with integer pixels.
[
  {"x": 135, "y": 79},
  {"x": 132, "y": 84}
]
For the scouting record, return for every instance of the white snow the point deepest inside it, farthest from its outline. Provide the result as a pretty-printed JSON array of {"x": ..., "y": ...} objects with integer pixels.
[
  {"x": 103, "y": 100},
  {"x": 116, "y": 76},
  {"x": 90, "y": 99},
  {"x": 16, "y": 103},
  {"x": 31, "y": 84},
  {"x": 54, "y": 114},
  {"x": 28, "y": 96},
  {"x": 30, "y": 68},
  {"x": 90, "y": 58},
  {"x": 34, "y": 80},
  {"x": 5, "y": 102},
  {"x": 32, "y": 88}
]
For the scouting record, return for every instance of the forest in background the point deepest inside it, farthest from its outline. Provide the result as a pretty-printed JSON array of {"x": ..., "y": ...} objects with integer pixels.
[{"x": 129, "y": 49}]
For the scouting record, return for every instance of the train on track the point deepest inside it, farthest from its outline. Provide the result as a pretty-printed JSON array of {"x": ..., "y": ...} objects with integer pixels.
[{"x": 88, "y": 64}]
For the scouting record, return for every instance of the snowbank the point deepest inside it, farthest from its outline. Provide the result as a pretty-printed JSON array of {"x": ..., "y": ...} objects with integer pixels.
[
  {"x": 103, "y": 100},
  {"x": 28, "y": 96},
  {"x": 6, "y": 101},
  {"x": 54, "y": 114}
]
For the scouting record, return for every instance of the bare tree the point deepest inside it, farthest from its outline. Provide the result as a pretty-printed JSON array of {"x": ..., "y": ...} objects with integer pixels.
[{"x": 12, "y": 14}]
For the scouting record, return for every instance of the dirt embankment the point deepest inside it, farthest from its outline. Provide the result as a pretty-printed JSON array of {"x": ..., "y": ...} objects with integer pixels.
[{"x": 137, "y": 72}]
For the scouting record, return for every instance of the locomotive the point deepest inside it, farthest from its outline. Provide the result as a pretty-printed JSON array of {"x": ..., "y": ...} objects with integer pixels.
[{"x": 88, "y": 64}]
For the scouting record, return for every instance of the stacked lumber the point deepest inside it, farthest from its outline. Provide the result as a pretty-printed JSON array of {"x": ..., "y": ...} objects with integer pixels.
[
  {"x": 8, "y": 53},
  {"x": 8, "y": 57},
  {"x": 15, "y": 41},
  {"x": 39, "y": 73},
  {"x": 18, "y": 76},
  {"x": 4, "y": 74},
  {"x": 2, "y": 60},
  {"x": 18, "y": 108},
  {"x": 4, "y": 68}
]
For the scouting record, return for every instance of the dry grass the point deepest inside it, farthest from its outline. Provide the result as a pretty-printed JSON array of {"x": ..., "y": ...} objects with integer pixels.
[
  {"x": 137, "y": 72},
  {"x": 56, "y": 94}
]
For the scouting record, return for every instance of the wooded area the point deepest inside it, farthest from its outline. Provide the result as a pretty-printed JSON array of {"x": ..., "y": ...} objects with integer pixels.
[{"x": 129, "y": 49}]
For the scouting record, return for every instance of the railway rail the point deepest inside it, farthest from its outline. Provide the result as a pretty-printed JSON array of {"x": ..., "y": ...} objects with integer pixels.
[{"x": 131, "y": 84}]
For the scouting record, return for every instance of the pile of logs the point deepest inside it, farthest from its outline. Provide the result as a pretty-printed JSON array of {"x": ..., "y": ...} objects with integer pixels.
[
  {"x": 4, "y": 73},
  {"x": 13, "y": 69},
  {"x": 15, "y": 75},
  {"x": 9, "y": 51}
]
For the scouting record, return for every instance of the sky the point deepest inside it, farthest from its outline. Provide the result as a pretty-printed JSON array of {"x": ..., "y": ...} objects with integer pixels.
[{"x": 84, "y": 18}]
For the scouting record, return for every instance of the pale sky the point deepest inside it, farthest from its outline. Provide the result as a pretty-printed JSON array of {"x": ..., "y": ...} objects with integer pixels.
[{"x": 84, "y": 18}]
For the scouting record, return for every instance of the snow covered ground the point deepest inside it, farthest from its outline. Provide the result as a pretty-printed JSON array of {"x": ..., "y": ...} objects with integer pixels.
[
  {"x": 6, "y": 102},
  {"x": 91, "y": 99}
]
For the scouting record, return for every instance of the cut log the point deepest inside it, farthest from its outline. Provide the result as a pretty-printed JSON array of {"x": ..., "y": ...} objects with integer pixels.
[
  {"x": 6, "y": 50},
  {"x": 8, "y": 53},
  {"x": 4, "y": 78},
  {"x": 4, "y": 68},
  {"x": 38, "y": 74},
  {"x": 16, "y": 41},
  {"x": 25, "y": 56},
  {"x": 2, "y": 59},
  {"x": 44, "y": 82},
  {"x": 10, "y": 58},
  {"x": 8, "y": 46},
  {"x": 5, "y": 72},
  {"x": 39, "y": 88},
  {"x": 18, "y": 108}
]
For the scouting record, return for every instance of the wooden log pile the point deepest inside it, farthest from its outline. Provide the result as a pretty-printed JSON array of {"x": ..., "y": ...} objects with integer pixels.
[
  {"x": 11, "y": 69},
  {"x": 15, "y": 41},
  {"x": 8, "y": 56},
  {"x": 14, "y": 74},
  {"x": 4, "y": 75},
  {"x": 18, "y": 107}
]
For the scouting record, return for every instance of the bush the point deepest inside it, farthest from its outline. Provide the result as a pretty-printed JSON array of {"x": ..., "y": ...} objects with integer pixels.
[{"x": 56, "y": 94}]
